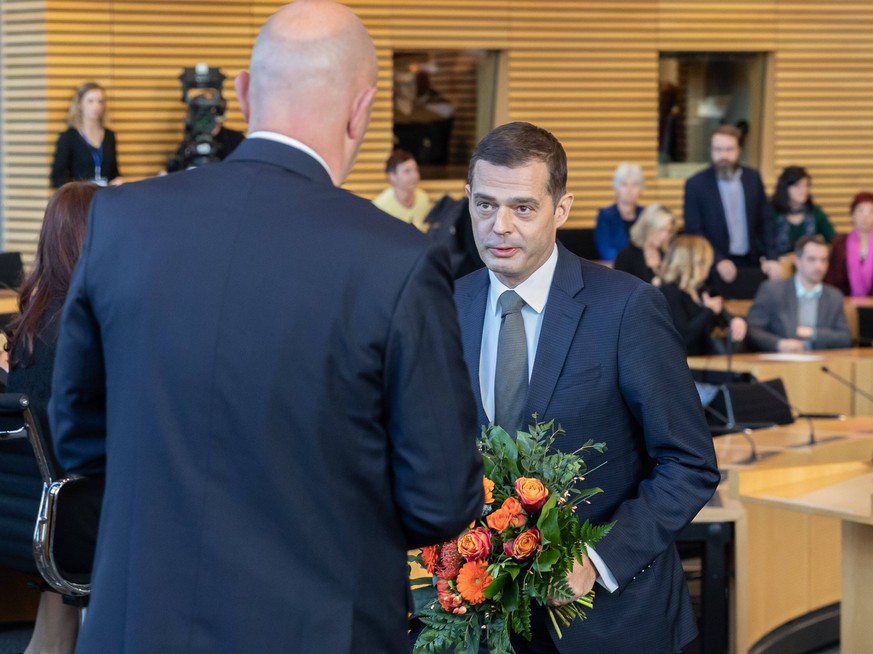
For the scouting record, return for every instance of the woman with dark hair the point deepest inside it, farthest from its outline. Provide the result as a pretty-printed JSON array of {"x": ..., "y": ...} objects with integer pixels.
[
  {"x": 793, "y": 212},
  {"x": 86, "y": 150},
  {"x": 851, "y": 264},
  {"x": 33, "y": 336}
]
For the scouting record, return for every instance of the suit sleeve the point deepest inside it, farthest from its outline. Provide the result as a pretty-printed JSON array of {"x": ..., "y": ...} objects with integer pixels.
[
  {"x": 758, "y": 320},
  {"x": 62, "y": 161},
  {"x": 836, "y": 333},
  {"x": 77, "y": 409},
  {"x": 656, "y": 385},
  {"x": 693, "y": 213},
  {"x": 431, "y": 411},
  {"x": 765, "y": 222}
]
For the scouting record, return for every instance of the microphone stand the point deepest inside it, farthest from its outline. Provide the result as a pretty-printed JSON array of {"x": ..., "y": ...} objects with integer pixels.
[
  {"x": 744, "y": 430},
  {"x": 846, "y": 382},
  {"x": 808, "y": 416}
]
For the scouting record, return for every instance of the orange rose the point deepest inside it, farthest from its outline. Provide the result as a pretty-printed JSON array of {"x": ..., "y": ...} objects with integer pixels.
[
  {"x": 475, "y": 545},
  {"x": 512, "y": 505},
  {"x": 499, "y": 520},
  {"x": 489, "y": 486},
  {"x": 531, "y": 492},
  {"x": 523, "y": 546}
]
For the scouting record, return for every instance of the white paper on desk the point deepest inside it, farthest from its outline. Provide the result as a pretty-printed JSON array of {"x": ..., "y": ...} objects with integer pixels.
[{"x": 790, "y": 356}]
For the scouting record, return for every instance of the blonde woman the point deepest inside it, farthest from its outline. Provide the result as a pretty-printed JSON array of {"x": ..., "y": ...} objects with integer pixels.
[
  {"x": 86, "y": 150},
  {"x": 649, "y": 239},
  {"x": 695, "y": 311}
]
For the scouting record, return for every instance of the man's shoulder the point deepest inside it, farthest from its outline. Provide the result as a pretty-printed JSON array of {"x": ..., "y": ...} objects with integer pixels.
[
  {"x": 770, "y": 287},
  {"x": 469, "y": 285},
  {"x": 700, "y": 178}
]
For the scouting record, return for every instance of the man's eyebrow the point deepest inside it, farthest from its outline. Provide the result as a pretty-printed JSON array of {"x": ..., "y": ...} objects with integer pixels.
[{"x": 511, "y": 201}]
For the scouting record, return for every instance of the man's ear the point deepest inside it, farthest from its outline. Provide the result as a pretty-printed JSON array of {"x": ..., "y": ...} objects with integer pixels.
[
  {"x": 562, "y": 210},
  {"x": 359, "y": 119},
  {"x": 241, "y": 84}
]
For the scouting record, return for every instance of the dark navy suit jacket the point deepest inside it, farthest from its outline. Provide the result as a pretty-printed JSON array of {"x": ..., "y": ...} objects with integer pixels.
[
  {"x": 269, "y": 371},
  {"x": 610, "y": 367},
  {"x": 704, "y": 213}
]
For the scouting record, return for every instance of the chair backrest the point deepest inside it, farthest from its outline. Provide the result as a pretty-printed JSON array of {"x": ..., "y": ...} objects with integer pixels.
[
  {"x": 66, "y": 526},
  {"x": 754, "y": 403},
  {"x": 580, "y": 241},
  {"x": 11, "y": 270}
]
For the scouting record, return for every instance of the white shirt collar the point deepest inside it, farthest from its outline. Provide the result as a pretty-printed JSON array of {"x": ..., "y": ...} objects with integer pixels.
[
  {"x": 294, "y": 143},
  {"x": 806, "y": 294},
  {"x": 534, "y": 290}
]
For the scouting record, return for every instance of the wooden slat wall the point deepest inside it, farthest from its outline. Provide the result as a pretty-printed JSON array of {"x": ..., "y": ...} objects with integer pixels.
[
  {"x": 24, "y": 132},
  {"x": 585, "y": 69}
]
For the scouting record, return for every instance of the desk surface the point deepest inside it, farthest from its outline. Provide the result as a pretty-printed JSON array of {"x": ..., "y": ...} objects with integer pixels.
[{"x": 8, "y": 301}]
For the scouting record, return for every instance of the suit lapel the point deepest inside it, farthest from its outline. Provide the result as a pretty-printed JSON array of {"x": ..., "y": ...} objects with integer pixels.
[
  {"x": 471, "y": 313},
  {"x": 790, "y": 303},
  {"x": 560, "y": 322}
]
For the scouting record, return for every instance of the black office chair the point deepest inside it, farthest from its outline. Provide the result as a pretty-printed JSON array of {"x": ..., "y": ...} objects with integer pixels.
[
  {"x": 11, "y": 270},
  {"x": 65, "y": 532}
]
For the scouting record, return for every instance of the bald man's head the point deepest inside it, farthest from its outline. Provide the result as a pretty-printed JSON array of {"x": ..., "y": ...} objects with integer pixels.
[{"x": 312, "y": 63}]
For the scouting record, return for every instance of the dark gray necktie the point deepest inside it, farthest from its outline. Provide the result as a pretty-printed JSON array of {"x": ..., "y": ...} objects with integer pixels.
[{"x": 510, "y": 378}]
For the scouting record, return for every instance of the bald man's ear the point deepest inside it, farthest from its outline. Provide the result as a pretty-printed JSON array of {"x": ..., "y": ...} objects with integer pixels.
[
  {"x": 359, "y": 119},
  {"x": 241, "y": 84}
]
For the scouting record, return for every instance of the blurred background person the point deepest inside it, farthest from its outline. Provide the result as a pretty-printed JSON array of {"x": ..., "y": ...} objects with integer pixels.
[
  {"x": 611, "y": 233},
  {"x": 33, "y": 336},
  {"x": 403, "y": 199},
  {"x": 794, "y": 213},
  {"x": 696, "y": 311},
  {"x": 649, "y": 238},
  {"x": 86, "y": 150},
  {"x": 800, "y": 313},
  {"x": 851, "y": 266}
]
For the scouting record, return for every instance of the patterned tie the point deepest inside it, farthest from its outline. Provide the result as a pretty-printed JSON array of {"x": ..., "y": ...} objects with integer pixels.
[{"x": 510, "y": 379}]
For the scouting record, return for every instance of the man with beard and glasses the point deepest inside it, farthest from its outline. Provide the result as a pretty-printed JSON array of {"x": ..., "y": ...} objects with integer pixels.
[{"x": 727, "y": 204}]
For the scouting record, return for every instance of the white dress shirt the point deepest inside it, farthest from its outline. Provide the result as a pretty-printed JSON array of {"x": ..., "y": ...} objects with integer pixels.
[
  {"x": 535, "y": 293},
  {"x": 294, "y": 143}
]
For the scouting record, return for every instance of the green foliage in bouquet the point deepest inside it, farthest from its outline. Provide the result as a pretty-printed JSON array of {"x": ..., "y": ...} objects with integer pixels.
[{"x": 519, "y": 552}]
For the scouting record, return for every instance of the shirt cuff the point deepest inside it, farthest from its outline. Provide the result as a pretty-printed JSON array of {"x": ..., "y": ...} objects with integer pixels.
[{"x": 604, "y": 575}]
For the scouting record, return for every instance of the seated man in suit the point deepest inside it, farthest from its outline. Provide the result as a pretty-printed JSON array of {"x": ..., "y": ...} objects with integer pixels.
[{"x": 801, "y": 313}]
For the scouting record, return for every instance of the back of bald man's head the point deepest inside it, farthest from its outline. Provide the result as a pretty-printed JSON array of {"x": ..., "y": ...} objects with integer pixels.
[{"x": 310, "y": 58}]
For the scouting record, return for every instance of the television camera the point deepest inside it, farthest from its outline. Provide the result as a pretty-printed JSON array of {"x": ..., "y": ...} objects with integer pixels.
[{"x": 202, "y": 92}]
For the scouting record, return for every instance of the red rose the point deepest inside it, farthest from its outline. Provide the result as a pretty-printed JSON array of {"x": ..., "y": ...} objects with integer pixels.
[
  {"x": 531, "y": 493},
  {"x": 475, "y": 545},
  {"x": 525, "y": 545}
]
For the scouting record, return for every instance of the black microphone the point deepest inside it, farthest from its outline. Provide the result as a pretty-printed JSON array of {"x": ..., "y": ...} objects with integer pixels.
[
  {"x": 846, "y": 382},
  {"x": 745, "y": 430},
  {"x": 808, "y": 416}
]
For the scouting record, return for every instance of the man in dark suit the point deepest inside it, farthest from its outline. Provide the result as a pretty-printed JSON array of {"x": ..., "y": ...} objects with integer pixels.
[
  {"x": 727, "y": 204},
  {"x": 801, "y": 313},
  {"x": 269, "y": 372},
  {"x": 603, "y": 360}
]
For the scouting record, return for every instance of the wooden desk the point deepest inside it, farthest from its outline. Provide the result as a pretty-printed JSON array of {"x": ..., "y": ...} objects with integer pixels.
[
  {"x": 807, "y": 387},
  {"x": 786, "y": 563},
  {"x": 8, "y": 301},
  {"x": 840, "y": 491}
]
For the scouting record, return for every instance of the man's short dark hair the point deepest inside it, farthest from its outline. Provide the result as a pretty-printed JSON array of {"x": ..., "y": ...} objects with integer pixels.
[
  {"x": 517, "y": 144},
  {"x": 803, "y": 241},
  {"x": 728, "y": 130},
  {"x": 397, "y": 157}
]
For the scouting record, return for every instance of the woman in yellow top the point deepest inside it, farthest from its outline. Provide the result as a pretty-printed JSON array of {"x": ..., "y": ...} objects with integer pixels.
[{"x": 403, "y": 199}]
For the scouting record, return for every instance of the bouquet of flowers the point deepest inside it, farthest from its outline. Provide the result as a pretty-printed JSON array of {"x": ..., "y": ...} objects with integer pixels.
[{"x": 518, "y": 552}]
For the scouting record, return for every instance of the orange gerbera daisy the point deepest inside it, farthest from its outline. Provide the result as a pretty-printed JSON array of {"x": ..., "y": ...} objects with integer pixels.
[
  {"x": 429, "y": 555},
  {"x": 472, "y": 581}
]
